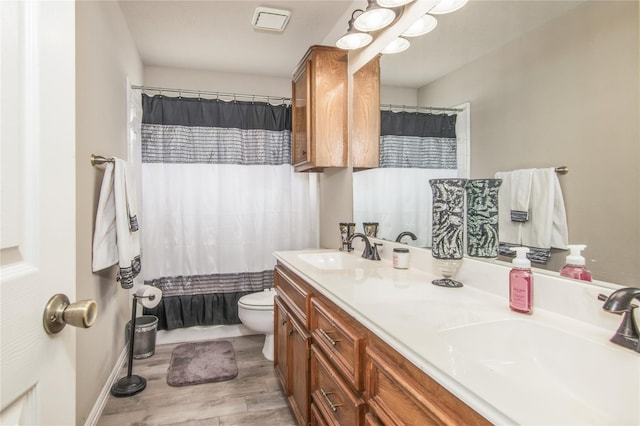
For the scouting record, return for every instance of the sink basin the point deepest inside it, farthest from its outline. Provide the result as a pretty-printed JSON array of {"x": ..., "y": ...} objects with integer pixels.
[
  {"x": 334, "y": 260},
  {"x": 597, "y": 376}
]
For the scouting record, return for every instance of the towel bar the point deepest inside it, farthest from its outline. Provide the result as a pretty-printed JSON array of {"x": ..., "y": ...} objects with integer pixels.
[{"x": 99, "y": 159}]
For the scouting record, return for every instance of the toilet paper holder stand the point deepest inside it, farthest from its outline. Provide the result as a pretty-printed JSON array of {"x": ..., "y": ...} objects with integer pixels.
[{"x": 131, "y": 384}]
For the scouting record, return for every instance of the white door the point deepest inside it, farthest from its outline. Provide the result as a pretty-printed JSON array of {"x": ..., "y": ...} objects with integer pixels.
[{"x": 37, "y": 122}]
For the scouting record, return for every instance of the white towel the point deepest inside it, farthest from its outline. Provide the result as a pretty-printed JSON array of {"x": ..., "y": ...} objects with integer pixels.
[
  {"x": 547, "y": 226},
  {"x": 520, "y": 189},
  {"x": 115, "y": 238},
  {"x": 509, "y": 231}
]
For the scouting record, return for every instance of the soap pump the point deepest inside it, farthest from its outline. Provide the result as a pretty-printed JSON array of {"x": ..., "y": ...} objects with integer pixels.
[
  {"x": 575, "y": 267},
  {"x": 521, "y": 282}
]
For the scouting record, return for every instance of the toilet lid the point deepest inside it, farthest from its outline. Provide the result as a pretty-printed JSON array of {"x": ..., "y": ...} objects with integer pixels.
[{"x": 261, "y": 299}]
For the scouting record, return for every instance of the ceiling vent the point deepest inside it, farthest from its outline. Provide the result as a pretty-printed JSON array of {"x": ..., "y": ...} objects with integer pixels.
[{"x": 266, "y": 18}]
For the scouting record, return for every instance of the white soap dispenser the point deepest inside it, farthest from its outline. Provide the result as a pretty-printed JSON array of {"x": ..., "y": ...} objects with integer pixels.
[{"x": 575, "y": 267}]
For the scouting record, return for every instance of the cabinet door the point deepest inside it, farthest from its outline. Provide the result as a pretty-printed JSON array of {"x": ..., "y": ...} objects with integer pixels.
[
  {"x": 301, "y": 135},
  {"x": 299, "y": 346},
  {"x": 365, "y": 131},
  {"x": 281, "y": 327}
]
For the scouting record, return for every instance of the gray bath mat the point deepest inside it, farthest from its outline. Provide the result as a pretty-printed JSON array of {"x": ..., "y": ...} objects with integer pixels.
[{"x": 202, "y": 362}]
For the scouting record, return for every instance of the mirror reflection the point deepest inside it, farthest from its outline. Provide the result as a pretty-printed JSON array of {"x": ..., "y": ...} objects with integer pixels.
[{"x": 547, "y": 84}]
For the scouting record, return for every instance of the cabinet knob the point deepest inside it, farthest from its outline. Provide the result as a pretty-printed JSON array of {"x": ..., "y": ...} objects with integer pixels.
[
  {"x": 290, "y": 332},
  {"x": 284, "y": 322}
]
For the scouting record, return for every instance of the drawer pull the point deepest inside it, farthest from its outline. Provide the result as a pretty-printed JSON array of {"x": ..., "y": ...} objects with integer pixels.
[
  {"x": 290, "y": 332},
  {"x": 326, "y": 336},
  {"x": 284, "y": 321},
  {"x": 325, "y": 395}
]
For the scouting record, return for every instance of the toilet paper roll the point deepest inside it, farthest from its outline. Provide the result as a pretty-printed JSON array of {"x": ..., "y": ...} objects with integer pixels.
[{"x": 149, "y": 296}]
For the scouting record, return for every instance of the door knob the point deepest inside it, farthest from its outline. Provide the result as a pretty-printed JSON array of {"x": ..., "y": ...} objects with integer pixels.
[{"x": 59, "y": 312}]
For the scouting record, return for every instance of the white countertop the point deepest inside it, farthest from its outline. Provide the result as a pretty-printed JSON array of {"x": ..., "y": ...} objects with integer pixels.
[{"x": 491, "y": 358}]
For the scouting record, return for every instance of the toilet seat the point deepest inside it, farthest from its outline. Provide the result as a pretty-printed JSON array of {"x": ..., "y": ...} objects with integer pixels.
[{"x": 260, "y": 301}]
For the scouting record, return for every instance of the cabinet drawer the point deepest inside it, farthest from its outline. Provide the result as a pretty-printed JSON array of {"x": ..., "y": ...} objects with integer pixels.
[
  {"x": 397, "y": 397},
  {"x": 393, "y": 397},
  {"x": 293, "y": 292},
  {"x": 340, "y": 340},
  {"x": 316, "y": 417},
  {"x": 370, "y": 420},
  {"x": 337, "y": 403}
]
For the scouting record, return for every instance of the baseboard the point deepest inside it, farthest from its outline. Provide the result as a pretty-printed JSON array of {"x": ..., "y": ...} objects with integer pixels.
[
  {"x": 200, "y": 333},
  {"x": 96, "y": 411}
]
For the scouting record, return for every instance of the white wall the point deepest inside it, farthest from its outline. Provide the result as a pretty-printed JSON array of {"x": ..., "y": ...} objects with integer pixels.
[
  {"x": 566, "y": 94},
  {"x": 211, "y": 81},
  {"x": 105, "y": 56}
]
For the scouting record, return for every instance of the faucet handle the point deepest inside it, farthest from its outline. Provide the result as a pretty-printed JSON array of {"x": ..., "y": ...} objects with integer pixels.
[{"x": 374, "y": 255}]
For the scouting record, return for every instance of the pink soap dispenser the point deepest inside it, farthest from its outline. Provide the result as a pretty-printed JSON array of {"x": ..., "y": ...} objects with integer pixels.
[
  {"x": 575, "y": 264},
  {"x": 521, "y": 282}
]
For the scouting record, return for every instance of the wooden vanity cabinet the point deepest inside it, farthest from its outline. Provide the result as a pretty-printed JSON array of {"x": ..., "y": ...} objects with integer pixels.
[
  {"x": 292, "y": 341},
  {"x": 351, "y": 376},
  {"x": 319, "y": 110}
]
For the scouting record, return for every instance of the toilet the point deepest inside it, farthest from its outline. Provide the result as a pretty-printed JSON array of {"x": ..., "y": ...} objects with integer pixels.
[{"x": 256, "y": 312}]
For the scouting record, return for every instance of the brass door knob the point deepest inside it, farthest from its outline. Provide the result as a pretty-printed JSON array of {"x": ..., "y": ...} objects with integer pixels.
[{"x": 59, "y": 312}]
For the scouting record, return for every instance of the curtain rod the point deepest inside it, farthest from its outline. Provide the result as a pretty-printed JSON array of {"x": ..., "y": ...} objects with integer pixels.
[
  {"x": 418, "y": 108},
  {"x": 234, "y": 96}
]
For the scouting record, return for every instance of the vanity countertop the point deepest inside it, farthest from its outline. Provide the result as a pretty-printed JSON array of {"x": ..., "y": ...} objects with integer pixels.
[{"x": 544, "y": 368}]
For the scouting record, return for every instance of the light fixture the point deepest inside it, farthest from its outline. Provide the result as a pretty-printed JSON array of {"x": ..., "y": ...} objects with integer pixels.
[
  {"x": 269, "y": 19},
  {"x": 374, "y": 18},
  {"x": 396, "y": 46},
  {"x": 354, "y": 39},
  {"x": 393, "y": 3},
  {"x": 447, "y": 6},
  {"x": 421, "y": 26}
]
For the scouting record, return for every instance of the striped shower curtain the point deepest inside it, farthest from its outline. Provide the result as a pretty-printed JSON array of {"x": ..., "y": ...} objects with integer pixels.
[
  {"x": 414, "y": 147},
  {"x": 219, "y": 195}
]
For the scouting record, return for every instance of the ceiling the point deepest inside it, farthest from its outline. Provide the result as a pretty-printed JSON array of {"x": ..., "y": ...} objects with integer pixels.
[{"x": 218, "y": 36}]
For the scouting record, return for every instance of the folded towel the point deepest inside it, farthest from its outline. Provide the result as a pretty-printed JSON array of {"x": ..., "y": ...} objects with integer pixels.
[
  {"x": 508, "y": 230},
  {"x": 520, "y": 194},
  {"x": 547, "y": 225},
  {"x": 115, "y": 238}
]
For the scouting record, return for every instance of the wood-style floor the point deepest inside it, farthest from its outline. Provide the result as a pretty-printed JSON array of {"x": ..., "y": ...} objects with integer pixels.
[{"x": 254, "y": 397}]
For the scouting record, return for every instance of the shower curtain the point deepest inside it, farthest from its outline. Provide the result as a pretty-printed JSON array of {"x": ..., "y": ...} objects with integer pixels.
[
  {"x": 219, "y": 195},
  {"x": 414, "y": 147}
]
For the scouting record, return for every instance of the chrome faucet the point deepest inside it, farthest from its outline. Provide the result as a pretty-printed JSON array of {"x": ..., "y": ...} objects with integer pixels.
[
  {"x": 370, "y": 252},
  {"x": 404, "y": 234},
  {"x": 619, "y": 302}
]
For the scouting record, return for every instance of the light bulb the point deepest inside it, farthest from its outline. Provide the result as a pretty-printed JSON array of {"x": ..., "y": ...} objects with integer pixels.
[
  {"x": 447, "y": 6},
  {"x": 354, "y": 40},
  {"x": 393, "y": 3},
  {"x": 374, "y": 18},
  {"x": 396, "y": 46},
  {"x": 421, "y": 26}
]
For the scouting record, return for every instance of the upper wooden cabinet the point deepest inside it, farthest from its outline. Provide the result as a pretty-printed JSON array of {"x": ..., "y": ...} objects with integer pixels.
[
  {"x": 319, "y": 110},
  {"x": 320, "y": 130},
  {"x": 365, "y": 130}
]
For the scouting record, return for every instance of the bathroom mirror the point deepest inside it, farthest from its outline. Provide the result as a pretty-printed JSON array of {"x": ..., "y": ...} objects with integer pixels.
[{"x": 551, "y": 83}]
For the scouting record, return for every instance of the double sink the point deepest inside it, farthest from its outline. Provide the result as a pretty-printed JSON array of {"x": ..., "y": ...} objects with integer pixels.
[{"x": 554, "y": 360}]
